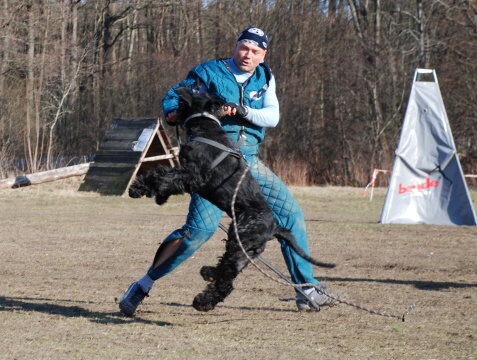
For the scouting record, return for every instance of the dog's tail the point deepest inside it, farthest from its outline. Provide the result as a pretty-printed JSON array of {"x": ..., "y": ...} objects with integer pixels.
[{"x": 285, "y": 235}]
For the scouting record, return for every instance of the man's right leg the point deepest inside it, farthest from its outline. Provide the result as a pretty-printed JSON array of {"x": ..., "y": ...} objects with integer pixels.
[
  {"x": 289, "y": 215},
  {"x": 202, "y": 221}
]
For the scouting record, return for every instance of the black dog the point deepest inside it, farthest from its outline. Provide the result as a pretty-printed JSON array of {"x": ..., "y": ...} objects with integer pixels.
[{"x": 210, "y": 171}]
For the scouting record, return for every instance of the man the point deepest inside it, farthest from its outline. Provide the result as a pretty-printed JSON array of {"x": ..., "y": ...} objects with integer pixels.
[{"x": 247, "y": 82}]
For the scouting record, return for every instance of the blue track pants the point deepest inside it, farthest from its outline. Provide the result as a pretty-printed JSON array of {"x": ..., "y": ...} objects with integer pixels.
[{"x": 203, "y": 220}]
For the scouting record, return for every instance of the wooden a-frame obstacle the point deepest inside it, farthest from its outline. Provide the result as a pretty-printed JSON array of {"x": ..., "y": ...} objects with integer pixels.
[{"x": 131, "y": 147}]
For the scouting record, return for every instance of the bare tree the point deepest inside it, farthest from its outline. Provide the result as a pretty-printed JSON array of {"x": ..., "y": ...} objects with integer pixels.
[
  {"x": 31, "y": 133},
  {"x": 343, "y": 71}
]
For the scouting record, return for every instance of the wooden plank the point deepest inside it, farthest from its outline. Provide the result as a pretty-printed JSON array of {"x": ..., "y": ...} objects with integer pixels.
[
  {"x": 117, "y": 157},
  {"x": 165, "y": 143},
  {"x": 112, "y": 165},
  {"x": 159, "y": 157},
  {"x": 143, "y": 144}
]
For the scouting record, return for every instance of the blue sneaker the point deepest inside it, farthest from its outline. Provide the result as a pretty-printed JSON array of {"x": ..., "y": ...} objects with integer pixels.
[
  {"x": 131, "y": 299},
  {"x": 320, "y": 298}
]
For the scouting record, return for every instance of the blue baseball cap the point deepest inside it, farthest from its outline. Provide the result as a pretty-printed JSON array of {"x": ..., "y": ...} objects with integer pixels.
[{"x": 254, "y": 36}]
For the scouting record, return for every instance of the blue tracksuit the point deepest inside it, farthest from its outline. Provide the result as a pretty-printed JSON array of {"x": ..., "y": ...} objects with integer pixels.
[{"x": 203, "y": 217}]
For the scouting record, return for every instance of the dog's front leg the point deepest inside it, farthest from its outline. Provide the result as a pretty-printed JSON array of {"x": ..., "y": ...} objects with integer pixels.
[
  {"x": 174, "y": 182},
  {"x": 156, "y": 183},
  {"x": 148, "y": 184}
]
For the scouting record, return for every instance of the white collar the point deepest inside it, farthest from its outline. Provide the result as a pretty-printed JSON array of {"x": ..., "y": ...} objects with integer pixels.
[{"x": 203, "y": 114}]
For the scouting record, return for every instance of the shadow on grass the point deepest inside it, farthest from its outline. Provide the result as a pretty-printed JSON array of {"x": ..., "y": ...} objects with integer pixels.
[
  {"x": 49, "y": 306},
  {"x": 232, "y": 307},
  {"x": 418, "y": 284}
]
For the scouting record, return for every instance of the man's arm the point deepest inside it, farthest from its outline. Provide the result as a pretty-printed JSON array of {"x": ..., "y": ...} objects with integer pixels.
[
  {"x": 269, "y": 114},
  {"x": 170, "y": 103}
]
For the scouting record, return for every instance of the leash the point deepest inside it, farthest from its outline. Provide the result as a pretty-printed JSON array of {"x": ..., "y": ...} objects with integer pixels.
[
  {"x": 284, "y": 279},
  {"x": 298, "y": 286}
]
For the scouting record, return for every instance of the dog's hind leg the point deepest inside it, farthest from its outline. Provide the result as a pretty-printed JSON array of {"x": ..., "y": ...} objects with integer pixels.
[
  {"x": 208, "y": 273},
  {"x": 217, "y": 290},
  {"x": 230, "y": 265}
]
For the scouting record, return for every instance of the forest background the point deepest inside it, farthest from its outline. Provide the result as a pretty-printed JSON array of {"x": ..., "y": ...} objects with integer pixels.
[{"x": 344, "y": 69}]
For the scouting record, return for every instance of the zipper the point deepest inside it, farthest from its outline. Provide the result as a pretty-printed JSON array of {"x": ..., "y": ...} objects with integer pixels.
[
  {"x": 242, "y": 129},
  {"x": 242, "y": 96},
  {"x": 241, "y": 87}
]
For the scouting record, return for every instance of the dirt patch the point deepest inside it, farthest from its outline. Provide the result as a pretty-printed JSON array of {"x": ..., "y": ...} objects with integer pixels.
[{"x": 66, "y": 256}]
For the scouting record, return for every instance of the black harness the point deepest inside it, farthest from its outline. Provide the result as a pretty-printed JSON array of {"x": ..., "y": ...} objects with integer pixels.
[{"x": 235, "y": 151}]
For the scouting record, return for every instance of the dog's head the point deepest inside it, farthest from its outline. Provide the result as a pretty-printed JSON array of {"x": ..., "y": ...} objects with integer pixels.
[{"x": 192, "y": 103}]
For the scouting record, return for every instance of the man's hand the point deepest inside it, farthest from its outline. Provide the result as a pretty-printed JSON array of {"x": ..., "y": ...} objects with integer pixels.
[
  {"x": 235, "y": 109},
  {"x": 171, "y": 118}
]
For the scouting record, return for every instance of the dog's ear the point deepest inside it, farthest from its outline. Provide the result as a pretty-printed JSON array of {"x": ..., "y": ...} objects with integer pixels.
[{"x": 185, "y": 95}]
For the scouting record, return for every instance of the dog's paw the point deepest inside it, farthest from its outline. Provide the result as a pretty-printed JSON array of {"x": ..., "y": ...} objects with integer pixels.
[
  {"x": 202, "y": 303},
  {"x": 208, "y": 273},
  {"x": 161, "y": 199}
]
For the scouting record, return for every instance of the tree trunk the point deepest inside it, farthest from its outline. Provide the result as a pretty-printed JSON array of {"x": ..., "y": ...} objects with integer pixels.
[
  {"x": 45, "y": 176},
  {"x": 30, "y": 88},
  {"x": 39, "y": 91},
  {"x": 421, "y": 33},
  {"x": 3, "y": 70},
  {"x": 74, "y": 54},
  {"x": 132, "y": 40}
]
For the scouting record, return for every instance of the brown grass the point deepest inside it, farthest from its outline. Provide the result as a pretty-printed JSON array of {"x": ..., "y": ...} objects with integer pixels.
[{"x": 65, "y": 258}]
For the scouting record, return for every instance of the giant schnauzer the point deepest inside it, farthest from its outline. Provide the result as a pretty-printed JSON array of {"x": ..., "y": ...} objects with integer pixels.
[{"x": 212, "y": 168}]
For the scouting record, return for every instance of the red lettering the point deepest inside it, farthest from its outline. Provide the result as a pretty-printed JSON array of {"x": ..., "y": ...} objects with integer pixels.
[
  {"x": 427, "y": 184},
  {"x": 402, "y": 190}
]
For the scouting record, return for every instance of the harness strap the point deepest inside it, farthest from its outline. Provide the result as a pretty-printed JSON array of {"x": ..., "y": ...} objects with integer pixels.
[{"x": 225, "y": 150}]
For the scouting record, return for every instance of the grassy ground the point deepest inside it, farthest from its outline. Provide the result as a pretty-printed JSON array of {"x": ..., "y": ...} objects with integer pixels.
[{"x": 66, "y": 257}]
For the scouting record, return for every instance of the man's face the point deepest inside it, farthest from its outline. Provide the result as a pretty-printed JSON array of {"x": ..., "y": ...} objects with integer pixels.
[{"x": 247, "y": 56}]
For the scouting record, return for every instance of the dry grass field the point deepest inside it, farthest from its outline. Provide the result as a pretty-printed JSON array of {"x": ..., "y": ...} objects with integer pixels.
[{"x": 66, "y": 257}]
